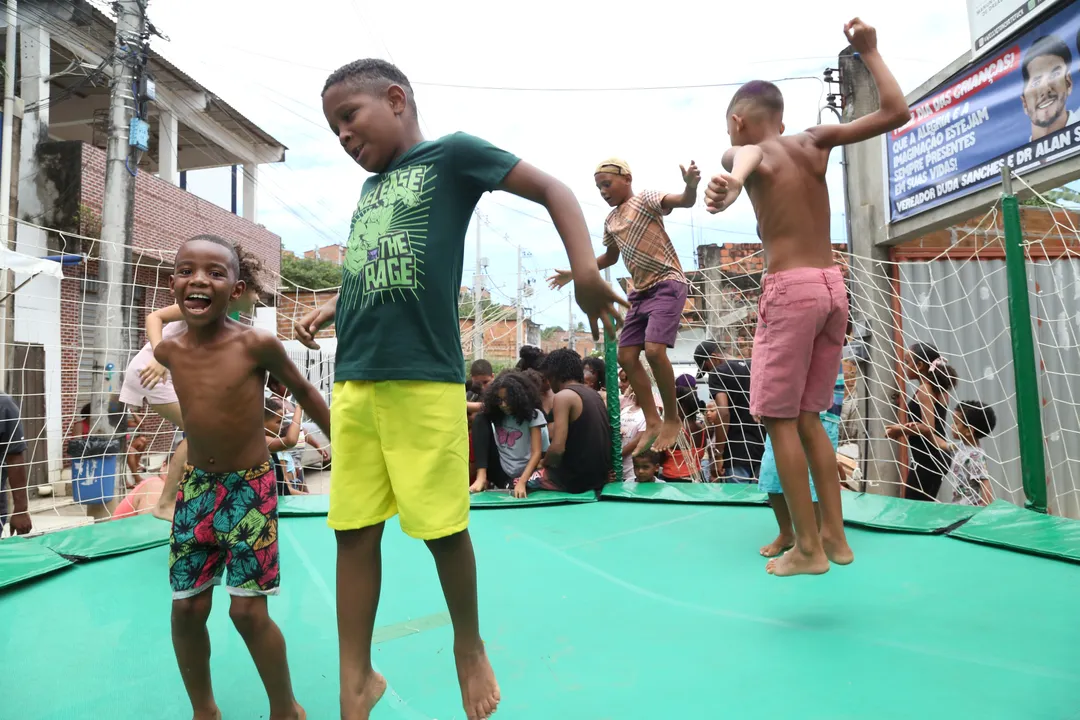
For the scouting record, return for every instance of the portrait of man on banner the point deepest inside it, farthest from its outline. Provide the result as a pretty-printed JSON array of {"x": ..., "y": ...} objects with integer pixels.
[{"x": 1047, "y": 86}]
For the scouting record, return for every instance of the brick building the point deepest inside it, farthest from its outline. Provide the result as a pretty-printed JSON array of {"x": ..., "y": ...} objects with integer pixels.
[
  {"x": 59, "y": 323},
  {"x": 584, "y": 344}
]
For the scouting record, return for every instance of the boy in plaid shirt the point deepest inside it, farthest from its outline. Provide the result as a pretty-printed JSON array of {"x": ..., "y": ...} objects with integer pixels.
[{"x": 635, "y": 229}]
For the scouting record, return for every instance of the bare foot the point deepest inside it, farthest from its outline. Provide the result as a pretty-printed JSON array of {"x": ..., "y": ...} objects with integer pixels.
[
  {"x": 669, "y": 435},
  {"x": 359, "y": 706},
  {"x": 298, "y": 713},
  {"x": 838, "y": 551},
  {"x": 164, "y": 511},
  {"x": 796, "y": 562},
  {"x": 479, "y": 690},
  {"x": 214, "y": 714},
  {"x": 778, "y": 546},
  {"x": 648, "y": 439}
]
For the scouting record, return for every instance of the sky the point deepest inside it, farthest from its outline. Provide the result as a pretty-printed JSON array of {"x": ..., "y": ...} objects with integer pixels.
[{"x": 565, "y": 85}]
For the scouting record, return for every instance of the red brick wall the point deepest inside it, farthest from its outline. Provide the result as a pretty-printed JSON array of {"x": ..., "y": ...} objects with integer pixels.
[
  {"x": 584, "y": 345},
  {"x": 500, "y": 340},
  {"x": 165, "y": 216}
]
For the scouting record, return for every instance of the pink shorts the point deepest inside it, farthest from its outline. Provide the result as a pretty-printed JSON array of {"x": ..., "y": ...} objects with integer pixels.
[{"x": 799, "y": 343}]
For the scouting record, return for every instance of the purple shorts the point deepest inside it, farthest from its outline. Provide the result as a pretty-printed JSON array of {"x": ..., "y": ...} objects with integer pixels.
[{"x": 654, "y": 314}]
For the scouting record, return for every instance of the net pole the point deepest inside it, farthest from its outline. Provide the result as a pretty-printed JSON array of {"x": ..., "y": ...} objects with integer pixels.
[
  {"x": 611, "y": 382},
  {"x": 611, "y": 362},
  {"x": 1028, "y": 415}
]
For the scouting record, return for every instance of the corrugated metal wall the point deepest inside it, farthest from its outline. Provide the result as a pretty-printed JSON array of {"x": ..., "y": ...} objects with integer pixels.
[{"x": 960, "y": 307}]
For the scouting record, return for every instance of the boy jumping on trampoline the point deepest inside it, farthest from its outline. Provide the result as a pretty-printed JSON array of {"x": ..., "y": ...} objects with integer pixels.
[
  {"x": 803, "y": 311},
  {"x": 226, "y": 509},
  {"x": 401, "y": 439},
  {"x": 635, "y": 229}
]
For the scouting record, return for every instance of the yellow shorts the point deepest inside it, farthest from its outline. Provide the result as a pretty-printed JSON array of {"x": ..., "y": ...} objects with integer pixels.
[{"x": 400, "y": 447}]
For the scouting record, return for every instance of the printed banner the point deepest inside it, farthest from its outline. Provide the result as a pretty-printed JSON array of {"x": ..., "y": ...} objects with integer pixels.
[
  {"x": 992, "y": 20},
  {"x": 1016, "y": 107}
]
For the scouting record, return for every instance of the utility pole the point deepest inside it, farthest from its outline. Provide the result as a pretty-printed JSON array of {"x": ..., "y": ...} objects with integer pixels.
[
  {"x": 571, "y": 336},
  {"x": 478, "y": 290},
  {"x": 6, "y": 319},
  {"x": 520, "y": 290},
  {"x": 117, "y": 212}
]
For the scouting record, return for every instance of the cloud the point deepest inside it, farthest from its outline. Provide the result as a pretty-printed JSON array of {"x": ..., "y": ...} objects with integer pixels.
[{"x": 269, "y": 59}]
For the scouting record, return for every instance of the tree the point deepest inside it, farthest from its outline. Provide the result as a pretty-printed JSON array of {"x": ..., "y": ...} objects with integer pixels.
[
  {"x": 1059, "y": 196},
  {"x": 549, "y": 332},
  {"x": 309, "y": 274},
  {"x": 580, "y": 327}
]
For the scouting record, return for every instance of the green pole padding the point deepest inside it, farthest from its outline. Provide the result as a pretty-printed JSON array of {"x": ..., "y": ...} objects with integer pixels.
[
  {"x": 1028, "y": 415},
  {"x": 611, "y": 361}
]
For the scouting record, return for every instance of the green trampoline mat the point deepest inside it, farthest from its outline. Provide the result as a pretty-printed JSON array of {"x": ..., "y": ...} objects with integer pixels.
[{"x": 590, "y": 611}]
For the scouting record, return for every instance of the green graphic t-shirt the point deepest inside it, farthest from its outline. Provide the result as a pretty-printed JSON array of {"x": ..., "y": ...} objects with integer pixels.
[{"x": 397, "y": 313}]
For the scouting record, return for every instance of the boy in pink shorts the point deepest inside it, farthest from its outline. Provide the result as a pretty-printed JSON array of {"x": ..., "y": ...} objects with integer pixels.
[{"x": 803, "y": 310}]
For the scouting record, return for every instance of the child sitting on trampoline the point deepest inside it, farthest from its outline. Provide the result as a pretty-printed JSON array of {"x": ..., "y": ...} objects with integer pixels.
[
  {"x": 510, "y": 435},
  {"x": 146, "y": 381},
  {"x": 635, "y": 229},
  {"x": 401, "y": 438},
  {"x": 226, "y": 509},
  {"x": 802, "y": 314}
]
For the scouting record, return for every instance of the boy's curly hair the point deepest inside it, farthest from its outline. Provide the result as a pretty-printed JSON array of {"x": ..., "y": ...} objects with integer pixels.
[
  {"x": 530, "y": 357},
  {"x": 251, "y": 269},
  {"x": 522, "y": 396},
  {"x": 563, "y": 365}
]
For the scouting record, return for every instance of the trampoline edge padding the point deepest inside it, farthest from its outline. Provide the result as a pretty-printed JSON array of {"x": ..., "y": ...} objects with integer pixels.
[
  {"x": 115, "y": 537},
  {"x": 1007, "y": 526},
  {"x": 23, "y": 559},
  {"x": 695, "y": 493},
  {"x": 506, "y": 499},
  {"x": 882, "y": 512}
]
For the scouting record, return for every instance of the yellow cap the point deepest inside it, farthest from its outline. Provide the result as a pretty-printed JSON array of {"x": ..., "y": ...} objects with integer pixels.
[{"x": 615, "y": 166}]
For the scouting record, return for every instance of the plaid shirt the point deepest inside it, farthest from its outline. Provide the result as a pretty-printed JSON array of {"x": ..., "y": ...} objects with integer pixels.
[{"x": 637, "y": 228}]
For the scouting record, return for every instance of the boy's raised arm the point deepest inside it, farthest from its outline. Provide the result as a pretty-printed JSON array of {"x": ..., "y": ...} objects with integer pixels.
[
  {"x": 893, "y": 111},
  {"x": 594, "y": 296},
  {"x": 725, "y": 188},
  {"x": 271, "y": 356},
  {"x": 686, "y": 199}
]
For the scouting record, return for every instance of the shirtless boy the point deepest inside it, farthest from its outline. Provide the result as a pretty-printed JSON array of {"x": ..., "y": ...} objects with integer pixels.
[
  {"x": 802, "y": 315},
  {"x": 226, "y": 509}
]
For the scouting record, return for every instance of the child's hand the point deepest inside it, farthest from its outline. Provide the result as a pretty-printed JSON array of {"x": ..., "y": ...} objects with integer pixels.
[
  {"x": 895, "y": 432},
  {"x": 307, "y": 327},
  {"x": 478, "y": 486},
  {"x": 519, "y": 489},
  {"x": 723, "y": 190},
  {"x": 596, "y": 298},
  {"x": 691, "y": 175},
  {"x": 560, "y": 279},
  {"x": 152, "y": 374},
  {"x": 861, "y": 36}
]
